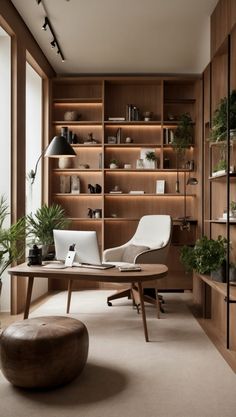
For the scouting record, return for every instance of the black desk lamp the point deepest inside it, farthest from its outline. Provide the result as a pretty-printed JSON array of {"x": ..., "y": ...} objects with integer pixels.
[
  {"x": 185, "y": 225},
  {"x": 57, "y": 148}
]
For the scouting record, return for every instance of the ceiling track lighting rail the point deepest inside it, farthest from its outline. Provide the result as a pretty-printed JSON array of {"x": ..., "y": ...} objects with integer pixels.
[{"x": 54, "y": 43}]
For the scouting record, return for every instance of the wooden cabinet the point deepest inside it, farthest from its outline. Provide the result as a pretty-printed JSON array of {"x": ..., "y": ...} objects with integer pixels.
[{"x": 126, "y": 117}]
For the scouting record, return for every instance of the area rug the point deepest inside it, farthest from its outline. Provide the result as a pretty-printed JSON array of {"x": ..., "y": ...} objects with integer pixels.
[{"x": 179, "y": 373}]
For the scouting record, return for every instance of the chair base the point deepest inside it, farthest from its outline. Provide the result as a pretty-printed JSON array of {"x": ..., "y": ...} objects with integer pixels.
[{"x": 119, "y": 294}]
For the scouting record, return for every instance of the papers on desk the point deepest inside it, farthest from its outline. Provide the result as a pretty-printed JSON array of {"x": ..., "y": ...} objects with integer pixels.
[
  {"x": 55, "y": 266},
  {"x": 129, "y": 267}
]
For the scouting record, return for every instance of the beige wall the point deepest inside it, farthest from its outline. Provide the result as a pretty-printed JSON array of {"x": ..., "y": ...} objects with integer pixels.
[{"x": 23, "y": 44}]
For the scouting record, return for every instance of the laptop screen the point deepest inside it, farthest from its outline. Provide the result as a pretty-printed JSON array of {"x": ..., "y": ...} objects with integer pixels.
[{"x": 86, "y": 245}]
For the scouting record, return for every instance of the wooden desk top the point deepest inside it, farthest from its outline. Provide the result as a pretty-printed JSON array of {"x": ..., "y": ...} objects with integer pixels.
[{"x": 148, "y": 272}]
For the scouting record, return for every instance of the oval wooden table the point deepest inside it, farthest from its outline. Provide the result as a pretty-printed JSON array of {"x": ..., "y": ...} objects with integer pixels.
[{"x": 149, "y": 272}]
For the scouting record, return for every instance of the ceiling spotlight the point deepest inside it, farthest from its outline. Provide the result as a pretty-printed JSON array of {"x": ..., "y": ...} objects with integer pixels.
[
  {"x": 53, "y": 43},
  {"x": 44, "y": 27}
]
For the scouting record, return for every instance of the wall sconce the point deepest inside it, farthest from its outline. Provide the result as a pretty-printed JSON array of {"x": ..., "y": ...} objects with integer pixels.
[
  {"x": 57, "y": 148},
  {"x": 185, "y": 224}
]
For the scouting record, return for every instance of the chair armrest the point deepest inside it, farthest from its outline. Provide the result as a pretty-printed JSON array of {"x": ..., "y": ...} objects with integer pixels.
[
  {"x": 113, "y": 254},
  {"x": 153, "y": 256}
]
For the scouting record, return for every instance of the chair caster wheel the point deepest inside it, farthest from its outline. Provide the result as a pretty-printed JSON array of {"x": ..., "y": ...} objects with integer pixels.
[{"x": 109, "y": 303}]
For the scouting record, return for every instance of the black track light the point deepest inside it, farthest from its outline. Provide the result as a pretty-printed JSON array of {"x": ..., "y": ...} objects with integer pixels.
[
  {"x": 53, "y": 43},
  {"x": 44, "y": 27}
]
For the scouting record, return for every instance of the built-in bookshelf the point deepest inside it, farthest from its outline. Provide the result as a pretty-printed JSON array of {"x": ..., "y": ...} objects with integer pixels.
[{"x": 121, "y": 119}]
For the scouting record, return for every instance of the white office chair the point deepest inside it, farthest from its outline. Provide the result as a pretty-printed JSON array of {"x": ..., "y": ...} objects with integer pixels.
[{"x": 149, "y": 245}]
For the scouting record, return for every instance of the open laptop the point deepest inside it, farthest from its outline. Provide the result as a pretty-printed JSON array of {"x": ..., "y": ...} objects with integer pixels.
[{"x": 86, "y": 248}]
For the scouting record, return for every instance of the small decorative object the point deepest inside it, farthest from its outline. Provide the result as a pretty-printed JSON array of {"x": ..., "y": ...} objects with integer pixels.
[
  {"x": 35, "y": 256},
  {"x": 147, "y": 115},
  {"x": 100, "y": 161},
  {"x": 64, "y": 163},
  {"x": 74, "y": 138},
  {"x": 91, "y": 189},
  {"x": 90, "y": 140},
  {"x": 128, "y": 140},
  {"x": 116, "y": 190},
  {"x": 114, "y": 164},
  {"x": 127, "y": 166},
  {"x": 90, "y": 213},
  {"x": 64, "y": 131},
  {"x": 171, "y": 117},
  {"x": 113, "y": 215},
  {"x": 160, "y": 187},
  {"x": 111, "y": 140},
  {"x": 71, "y": 116},
  {"x": 65, "y": 184},
  {"x": 97, "y": 213},
  {"x": 139, "y": 163},
  {"x": 98, "y": 189},
  {"x": 75, "y": 184}
]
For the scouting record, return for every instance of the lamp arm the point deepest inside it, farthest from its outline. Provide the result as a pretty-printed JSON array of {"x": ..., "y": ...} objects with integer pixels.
[{"x": 32, "y": 173}]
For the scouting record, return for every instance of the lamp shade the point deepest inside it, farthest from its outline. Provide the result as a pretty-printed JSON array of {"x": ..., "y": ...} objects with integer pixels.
[{"x": 59, "y": 147}]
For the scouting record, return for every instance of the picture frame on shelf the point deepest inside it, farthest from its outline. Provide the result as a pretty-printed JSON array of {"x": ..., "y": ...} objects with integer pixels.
[{"x": 160, "y": 187}]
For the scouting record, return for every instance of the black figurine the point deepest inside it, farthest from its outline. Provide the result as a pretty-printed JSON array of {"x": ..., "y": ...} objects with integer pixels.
[
  {"x": 90, "y": 213},
  {"x": 91, "y": 188},
  {"x": 98, "y": 189}
]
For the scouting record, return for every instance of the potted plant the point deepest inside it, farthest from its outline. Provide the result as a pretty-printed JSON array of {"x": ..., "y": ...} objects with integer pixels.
[
  {"x": 183, "y": 138},
  {"x": 219, "y": 123},
  {"x": 206, "y": 257},
  {"x": 233, "y": 208},
  {"x": 114, "y": 164},
  {"x": 220, "y": 167},
  {"x": 11, "y": 239},
  {"x": 151, "y": 157},
  {"x": 41, "y": 224}
]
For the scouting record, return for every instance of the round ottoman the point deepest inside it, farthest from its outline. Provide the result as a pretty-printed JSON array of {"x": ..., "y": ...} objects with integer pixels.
[{"x": 43, "y": 352}]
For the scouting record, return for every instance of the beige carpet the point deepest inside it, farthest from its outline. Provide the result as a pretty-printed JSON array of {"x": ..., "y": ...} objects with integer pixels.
[{"x": 178, "y": 374}]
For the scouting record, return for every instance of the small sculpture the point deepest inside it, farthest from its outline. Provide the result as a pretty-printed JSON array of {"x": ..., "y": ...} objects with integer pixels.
[{"x": 91, "y": 188}]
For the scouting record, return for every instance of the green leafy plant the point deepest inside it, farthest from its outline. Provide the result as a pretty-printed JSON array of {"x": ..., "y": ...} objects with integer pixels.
[
  {"x": 11, "y": 238},
  {"x": 233, "y": 205},
  {"x": 183, "y": 135},
  {"x": 151, "y": 156},
  {"x": 206, "y": 256},
  {"x": 220, "y": 166},
  {"x": 114, "y": 161},
  {"x": 41, "y": 224},
  {"x": 219, "y": 122}
]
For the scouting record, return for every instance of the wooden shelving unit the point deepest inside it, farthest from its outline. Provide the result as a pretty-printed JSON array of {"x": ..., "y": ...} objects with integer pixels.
[{"x": 97, "y": 99}]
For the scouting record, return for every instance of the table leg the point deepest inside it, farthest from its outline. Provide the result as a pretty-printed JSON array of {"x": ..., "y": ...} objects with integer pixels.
[
  {"x": 28, "y": 297},
  {"x": 140, "y": 290},
  {"x": 69, "y": 289}
]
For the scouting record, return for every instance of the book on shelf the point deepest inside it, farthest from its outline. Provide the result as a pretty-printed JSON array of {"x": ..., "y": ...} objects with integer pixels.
[
  {"x": 168, "y": 136},
  {"x": 136, "y": 192},
  {"x": 116, "y": 119},
  {"x": 116, "y": 192}
]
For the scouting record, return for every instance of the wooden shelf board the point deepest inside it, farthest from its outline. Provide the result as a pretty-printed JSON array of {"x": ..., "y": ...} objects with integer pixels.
[
  {"x": 220, "y": 287},
  {"x": 156, "y": 123},
  {"x": 76, "y": 170},
  {"x": 77, "y": 122},
  {"x": 86, "y": 145},
  {"x": 132, "y": 145},
  {"x": 145, "y": 170},
  {"x": 149, "y": 195},
  {"x": 176, "y": 222},
  {"x": 222, "y": 176},
  {"x": 217, "y": 221},
  {"x": 79, "y": 100},
  {"x": 84, "y": 219},
  {"x": 76, "y": 195}
]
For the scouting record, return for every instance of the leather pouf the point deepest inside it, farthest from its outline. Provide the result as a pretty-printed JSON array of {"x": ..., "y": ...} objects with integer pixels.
[{"x": 43, "y": 352}]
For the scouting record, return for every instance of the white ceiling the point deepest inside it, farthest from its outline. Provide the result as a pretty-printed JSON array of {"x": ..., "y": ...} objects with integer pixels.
[{"x": 123, "y": 36}]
